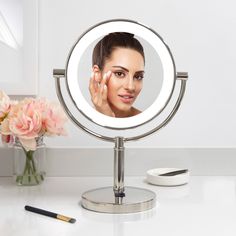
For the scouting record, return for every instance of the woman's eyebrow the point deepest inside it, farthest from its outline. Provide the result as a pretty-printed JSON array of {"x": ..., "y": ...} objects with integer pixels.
[{"x": 123, "y": 68}]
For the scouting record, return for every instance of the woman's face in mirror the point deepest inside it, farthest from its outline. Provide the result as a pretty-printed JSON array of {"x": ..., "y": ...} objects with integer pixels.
[
  {"x": 126, "y": 69},
  {"x": 116, "y": 85},
  {"x": 118, "y": 69}
]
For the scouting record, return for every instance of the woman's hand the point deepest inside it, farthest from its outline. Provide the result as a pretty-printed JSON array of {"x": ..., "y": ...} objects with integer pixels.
[{"x": 98, "y": 91}]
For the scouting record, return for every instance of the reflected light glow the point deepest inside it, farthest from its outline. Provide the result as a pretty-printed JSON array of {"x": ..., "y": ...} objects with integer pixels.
[{"x": 6, "y": 35}]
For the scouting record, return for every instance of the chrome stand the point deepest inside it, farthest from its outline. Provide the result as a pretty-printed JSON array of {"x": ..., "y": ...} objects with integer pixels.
[
  {"x": 120, "y": 199},
  {"x": 119, "y": 149}
]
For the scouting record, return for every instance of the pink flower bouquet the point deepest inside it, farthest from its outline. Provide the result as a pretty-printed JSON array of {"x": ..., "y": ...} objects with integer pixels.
[
  {"x": 26, "y": 122},
  {"x": 30, "y": 119}
]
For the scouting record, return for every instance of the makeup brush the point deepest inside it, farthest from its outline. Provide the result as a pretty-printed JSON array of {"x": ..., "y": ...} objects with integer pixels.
[{"x": 50, "y": 214}]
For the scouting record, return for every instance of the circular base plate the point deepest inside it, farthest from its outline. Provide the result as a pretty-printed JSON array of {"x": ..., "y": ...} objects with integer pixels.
[{"x": 104, "y": 200}]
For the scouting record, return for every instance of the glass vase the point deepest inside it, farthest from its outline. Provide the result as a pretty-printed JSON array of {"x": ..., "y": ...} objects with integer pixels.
[{"x": 29, "y": 166}]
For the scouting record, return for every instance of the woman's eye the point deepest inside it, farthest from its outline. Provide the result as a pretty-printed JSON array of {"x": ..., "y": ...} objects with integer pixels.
[
  {"x": 138, "y": 77},
  {"x": 119, "y": 74}
]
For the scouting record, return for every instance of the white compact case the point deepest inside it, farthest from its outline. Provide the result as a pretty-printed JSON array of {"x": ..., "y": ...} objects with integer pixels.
[{"x": 153, "y": 177}]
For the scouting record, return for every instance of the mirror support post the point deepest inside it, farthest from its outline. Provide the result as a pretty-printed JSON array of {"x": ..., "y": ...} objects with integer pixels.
[{"x": 119, "y": 149}]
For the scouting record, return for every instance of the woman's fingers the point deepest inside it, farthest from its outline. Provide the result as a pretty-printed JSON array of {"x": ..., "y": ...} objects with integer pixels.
[
  {"x": 99, "y": 92},
  {"x": 103, "y": 86},
  {"x": 104, "y": 94},
  {"x": 109, "y": 73},
  {"x": 106, "y": 78},
  {"x": 103, "y": 82},
  {"x": 94, "y": 83},
  {"x": 98, "y": 77}
]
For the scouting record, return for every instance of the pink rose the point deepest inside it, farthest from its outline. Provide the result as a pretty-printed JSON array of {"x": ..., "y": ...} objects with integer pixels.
[
  {"x": 54, "y": 119},
  {"x": 25, "y": 122}
]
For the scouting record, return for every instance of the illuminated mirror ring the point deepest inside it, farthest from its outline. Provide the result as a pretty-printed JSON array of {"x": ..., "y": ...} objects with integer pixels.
[{"x": 102, "y": 29}]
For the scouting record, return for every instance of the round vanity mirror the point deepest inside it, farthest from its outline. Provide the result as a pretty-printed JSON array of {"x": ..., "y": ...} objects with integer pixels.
[
  {"x": 141, "y": 79},
  {"x": 149, "y": 73},
  {"x": 120, "y": 76}
]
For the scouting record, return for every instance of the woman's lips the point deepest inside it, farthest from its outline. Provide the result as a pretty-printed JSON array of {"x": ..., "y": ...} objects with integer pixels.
[{"x": 126, "y": 98}]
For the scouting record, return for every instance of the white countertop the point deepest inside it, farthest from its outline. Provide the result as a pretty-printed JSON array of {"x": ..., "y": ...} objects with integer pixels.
[{"x": 205, "y": 206}]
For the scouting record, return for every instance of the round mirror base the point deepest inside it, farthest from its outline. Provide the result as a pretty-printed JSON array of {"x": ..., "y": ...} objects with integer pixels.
[{"x": 103, "y": 200}]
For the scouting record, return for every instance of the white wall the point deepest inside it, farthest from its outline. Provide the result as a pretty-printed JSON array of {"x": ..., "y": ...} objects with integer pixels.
[
  {"x": 201, "y": 35},
  {"x": 18, "y": 47}
]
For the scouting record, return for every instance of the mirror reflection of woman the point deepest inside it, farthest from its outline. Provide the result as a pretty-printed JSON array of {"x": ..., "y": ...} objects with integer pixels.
[{"x": 117, "y": 74}]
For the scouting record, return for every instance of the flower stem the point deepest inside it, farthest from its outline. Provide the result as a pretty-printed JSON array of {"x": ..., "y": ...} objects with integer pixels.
[{"x": 31, "y": 174}]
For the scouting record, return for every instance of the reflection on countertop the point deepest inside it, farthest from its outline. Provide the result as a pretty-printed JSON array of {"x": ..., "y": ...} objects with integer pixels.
[{"x": 204, "y": 206}]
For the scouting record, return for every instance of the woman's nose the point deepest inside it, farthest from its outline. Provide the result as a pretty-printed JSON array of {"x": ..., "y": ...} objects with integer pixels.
[{"x": 129, "y": 83}]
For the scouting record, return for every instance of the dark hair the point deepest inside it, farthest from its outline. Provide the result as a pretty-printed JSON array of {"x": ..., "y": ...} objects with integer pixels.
[{"x": 104, "y": 48}]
